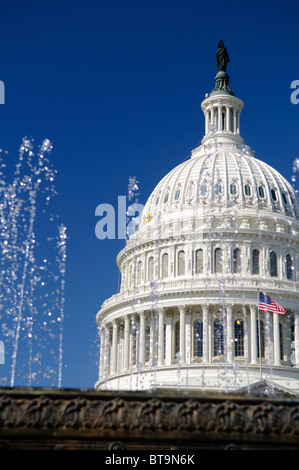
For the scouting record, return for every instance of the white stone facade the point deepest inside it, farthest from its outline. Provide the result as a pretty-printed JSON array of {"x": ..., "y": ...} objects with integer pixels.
[{"x": 215, "y": 231}]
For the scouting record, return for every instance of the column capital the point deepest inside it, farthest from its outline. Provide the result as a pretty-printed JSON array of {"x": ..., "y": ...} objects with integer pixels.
[{"x": 182, "y": 308}]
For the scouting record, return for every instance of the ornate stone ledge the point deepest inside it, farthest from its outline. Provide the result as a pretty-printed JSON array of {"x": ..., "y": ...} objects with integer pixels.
[{"x": 85, "y": 419}]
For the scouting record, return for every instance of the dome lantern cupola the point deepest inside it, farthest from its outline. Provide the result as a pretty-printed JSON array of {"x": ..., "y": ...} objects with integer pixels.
[{"x": 222, "y": 108}]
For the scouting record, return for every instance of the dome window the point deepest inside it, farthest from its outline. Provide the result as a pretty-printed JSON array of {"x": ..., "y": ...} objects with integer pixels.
[
  {"x": 255, "y": 261},
  {"x": 289, "y": 267},
  {"x": 151, "y": 269},
  {"x": 199, "y": 261},
  {"x": 217, "y": 188},
  {"x": 273, "y": 264},
  {"x": 233, "y": 189},
  {"x": 165, "y": 265},
  {"x": 217, "y": 260},
  {"x": 198, "y": 338},
  {"x": 166, "y": 198},
  {"x": 237, "y": 261},
  {"x": 273, "y": 194},
  {"x": 247, "y": 190},
  {"x": 284, "y": 198},
  {"x": 261, "y": 192},
  {"x": 181, "y": 263},
  {"x": 157, "y": 200},
  {"x": 204, "y": 190},
  {"x": 218, "y": 338},
  {"x": 189, "y": 193},
  {"x": 177, "y": 195},
  {"x": 239, "y": 338}
]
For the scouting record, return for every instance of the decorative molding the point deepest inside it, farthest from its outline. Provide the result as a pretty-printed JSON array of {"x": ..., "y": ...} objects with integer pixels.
[{"x": 41, "y": 418}]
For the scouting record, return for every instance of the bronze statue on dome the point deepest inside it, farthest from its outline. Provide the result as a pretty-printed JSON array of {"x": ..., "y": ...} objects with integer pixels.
[{"x": 222, "y": 57}]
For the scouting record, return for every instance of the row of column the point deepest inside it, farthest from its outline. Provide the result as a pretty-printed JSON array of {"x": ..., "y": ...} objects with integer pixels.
[
  {"x": 109, "y": 350},
  {"x": 214, "y": 116}
]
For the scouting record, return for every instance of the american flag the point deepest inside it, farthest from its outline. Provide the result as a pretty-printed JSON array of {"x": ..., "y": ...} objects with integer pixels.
[{"x": 267, "y": 304}]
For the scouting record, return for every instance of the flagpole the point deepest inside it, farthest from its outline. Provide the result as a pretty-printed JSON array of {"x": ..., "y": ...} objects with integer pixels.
[{"x": 259, "y": 324}]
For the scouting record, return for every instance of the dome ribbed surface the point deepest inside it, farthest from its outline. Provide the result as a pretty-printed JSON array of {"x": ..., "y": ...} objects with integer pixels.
[{"x": 223, "y": 178}]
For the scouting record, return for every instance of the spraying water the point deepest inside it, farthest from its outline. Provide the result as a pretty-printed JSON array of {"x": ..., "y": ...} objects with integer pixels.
[{"x": 32, "y": 269}]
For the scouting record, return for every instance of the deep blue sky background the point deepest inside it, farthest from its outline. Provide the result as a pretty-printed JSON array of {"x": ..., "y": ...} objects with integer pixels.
[{"x": 117, "y": 87}]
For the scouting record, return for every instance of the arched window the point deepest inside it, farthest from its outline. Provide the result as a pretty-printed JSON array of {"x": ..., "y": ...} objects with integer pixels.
[
  {"x": 165, "y": 265},
  {"x": 289, "y": 267},
  {"x": 197, "y": 338},
  {"x": 176, "y": 338},
  {"x": 239, "y": 338},
  {"x": 237, "y": 261},
  {"x": 166, "y": 198},
  {"x": 181, "y": 263},
  {"x": 218, "y": 338},
  {"x": 255, "y": 262},
  {"x": 199, "y": 261},
  {"x": 151, "y": 269},
  {"x": 147, "y": 343},
  {"x": 130, "y": 280},
  {"x": 273, "y": 264},
  {"x": 260, "y": 339},
  {"x": 218, "y": 260},
  {"x": 139, "y": 273}
]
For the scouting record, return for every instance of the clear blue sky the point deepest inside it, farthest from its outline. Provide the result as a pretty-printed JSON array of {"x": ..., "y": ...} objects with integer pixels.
[{"x": 117, "y": 87}]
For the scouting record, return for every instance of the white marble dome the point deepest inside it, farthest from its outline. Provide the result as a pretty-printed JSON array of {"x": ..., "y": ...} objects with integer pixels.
[
  {"x": 224, "y": 178},
  {"x": 218, "y": 229}
]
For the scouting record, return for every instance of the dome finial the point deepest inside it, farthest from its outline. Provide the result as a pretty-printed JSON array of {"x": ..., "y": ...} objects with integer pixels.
[{"x": 222, "y": 78}]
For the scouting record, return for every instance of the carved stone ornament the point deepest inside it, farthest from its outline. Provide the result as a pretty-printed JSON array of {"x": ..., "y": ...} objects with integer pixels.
[{"x": 74, "y": 419}]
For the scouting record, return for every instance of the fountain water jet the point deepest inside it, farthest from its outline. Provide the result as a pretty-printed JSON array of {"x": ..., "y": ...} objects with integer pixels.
[{"x": 32, "y": 272}]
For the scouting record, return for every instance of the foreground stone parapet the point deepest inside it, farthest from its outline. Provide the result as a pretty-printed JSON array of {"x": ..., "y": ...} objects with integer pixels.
[{"x": 52, "y": 419}]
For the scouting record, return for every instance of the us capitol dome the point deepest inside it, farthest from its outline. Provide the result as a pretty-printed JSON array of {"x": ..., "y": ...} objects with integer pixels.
[{"x": 218, "y": 230}]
